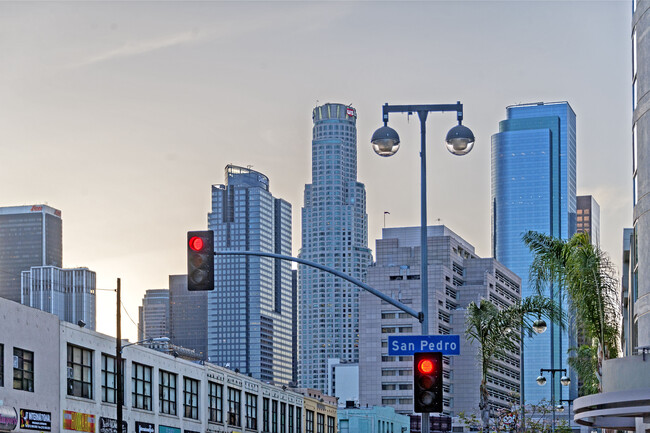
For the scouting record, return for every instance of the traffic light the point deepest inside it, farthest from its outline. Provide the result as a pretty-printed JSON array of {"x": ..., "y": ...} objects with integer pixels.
[
  {"x": 427, "y": 382},
  {"x": 200, "y": 260}
]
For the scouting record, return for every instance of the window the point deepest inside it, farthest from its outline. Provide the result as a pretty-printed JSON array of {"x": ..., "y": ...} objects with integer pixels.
[
  {"x": 283, "y": 419},
  {"x": 234, "y": 407},
  {"x": 274, "y": 416},
  {"x": 298, "y": 419},
  {"x": 167, "y": 392},
  {"x": 331, "y": 424},
  {"x": 265, "y": 415},
  {"x": 290, "y": 416},
  {"x": 251, "y": 411},
  {"x": 215, "y": 397},
  {"x": 191, "y": 397},
  {"x": 23, "y": 370},
  {"x": 141, "y": 383},
  {"x": 309, "y": 421},
  {"x": 320, "y": 423},
  {"x": 80, "y": 372},
  {"x": 109, "y": 379},
  {"x": 2, "y": 365}
]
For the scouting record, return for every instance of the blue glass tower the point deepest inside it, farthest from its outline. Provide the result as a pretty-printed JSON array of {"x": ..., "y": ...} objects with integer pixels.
[
  {"x": 534, "y": 188},
  {"x": 250, "y": 310}
]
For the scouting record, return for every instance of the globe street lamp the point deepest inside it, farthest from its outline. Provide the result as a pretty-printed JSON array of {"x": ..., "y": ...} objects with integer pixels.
[
  {"x": 385, "y": 142},
  {"x": 565, "y": 380}
]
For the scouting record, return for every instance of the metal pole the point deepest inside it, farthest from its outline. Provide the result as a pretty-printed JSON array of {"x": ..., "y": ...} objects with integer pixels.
[
  {"x": 118, "y": 358},
  {"x": 521, "y": 382},
  {"x": 424, "y": 256}
]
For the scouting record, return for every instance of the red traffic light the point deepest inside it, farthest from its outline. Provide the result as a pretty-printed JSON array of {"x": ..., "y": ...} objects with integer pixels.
[
  {"x": 425, "y": 366},
  {"x": 196, "y": 243}
]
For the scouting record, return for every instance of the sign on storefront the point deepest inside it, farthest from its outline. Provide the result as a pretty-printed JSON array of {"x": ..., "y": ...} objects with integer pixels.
[
  {"x": 77, "y": 421},
  {"x": 8, "y": 418},
  {"x": 109, "y": 425},
  {"x": 35, "y": 420}
]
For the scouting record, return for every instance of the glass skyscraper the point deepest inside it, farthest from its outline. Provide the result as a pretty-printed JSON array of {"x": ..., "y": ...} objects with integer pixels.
[
  {"x": 534, "y": 188},
  {"x": 335, "y": 234},
  {"x": 249, "y": 312}
]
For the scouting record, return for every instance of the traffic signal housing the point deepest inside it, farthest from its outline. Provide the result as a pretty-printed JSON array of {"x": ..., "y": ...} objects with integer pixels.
[
  {"x": 427, "y": 382},
  {"x": 200, "y": 260}
]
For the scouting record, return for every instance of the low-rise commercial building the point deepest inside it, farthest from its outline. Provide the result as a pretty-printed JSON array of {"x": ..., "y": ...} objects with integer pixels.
[{"x": 65, "y": 379}]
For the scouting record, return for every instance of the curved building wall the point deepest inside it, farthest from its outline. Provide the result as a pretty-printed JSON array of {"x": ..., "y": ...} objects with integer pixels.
[{"x": 641, "y": 162}]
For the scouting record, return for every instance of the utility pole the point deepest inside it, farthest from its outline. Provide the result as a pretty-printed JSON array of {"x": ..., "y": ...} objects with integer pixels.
[{"x": 118, "y": 358}]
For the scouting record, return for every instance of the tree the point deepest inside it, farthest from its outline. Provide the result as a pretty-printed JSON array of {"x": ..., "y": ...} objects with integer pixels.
[
  {"x": 585, "y": 276},
  {"x": 497, "y": 332}
]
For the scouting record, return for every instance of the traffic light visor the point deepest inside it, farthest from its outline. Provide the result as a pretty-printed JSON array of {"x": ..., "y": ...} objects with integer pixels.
[{"x": 196, "y": 243}]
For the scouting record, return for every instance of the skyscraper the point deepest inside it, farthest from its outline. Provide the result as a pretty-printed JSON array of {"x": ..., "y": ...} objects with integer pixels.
[
  {"x": 188, "y": 316},
  {"x": 154, "y": 314},
  {"x": 534, "y": 188},
  {"x": 29, "y": 236},
  {"x": 67, "y": 293},
  {"x": 335, "y": 234},
  {"x": 457, "y": 276},
  {"x": 249, "y": 312},
  {"x": 588, "y": 217}
]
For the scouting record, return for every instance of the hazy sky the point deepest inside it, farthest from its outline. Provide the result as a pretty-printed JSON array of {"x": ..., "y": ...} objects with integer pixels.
[{"x": 123, "y": 114}]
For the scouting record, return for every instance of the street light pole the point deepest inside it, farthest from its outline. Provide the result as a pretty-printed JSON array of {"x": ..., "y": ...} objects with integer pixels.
[
  {"x": 564, "y": 380},
  {"x": 460, "y": 141},
  {"x": 118, "y": 358}
]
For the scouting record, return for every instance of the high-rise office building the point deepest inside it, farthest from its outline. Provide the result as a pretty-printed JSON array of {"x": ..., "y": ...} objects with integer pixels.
[
  {"x": 457, "y": 276},
  {"x": 534, "y": 188},
  {"x": 154, "y": 314},
  {"x": 335, "y": 234},
  {"x": 249, "y": 312},
  {"x": 29, "y": 236},
  {"x": 67, "y": 293},
  {"x": 188, "y": 316},
  {"x": 588, "y": 217},
  {"x": 641, "y": 170}
]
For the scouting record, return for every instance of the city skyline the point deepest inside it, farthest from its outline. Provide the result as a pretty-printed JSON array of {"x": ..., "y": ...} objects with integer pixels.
[{"x": 124, "y": 114}]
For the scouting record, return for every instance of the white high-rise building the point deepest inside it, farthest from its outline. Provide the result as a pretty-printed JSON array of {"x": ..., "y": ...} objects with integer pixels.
[
  {"x": 67, "y": 293},
  {"x": 250, "y": 310},
  {"x": 457, "y": 277},
  {"x": 334, "y": 234}
]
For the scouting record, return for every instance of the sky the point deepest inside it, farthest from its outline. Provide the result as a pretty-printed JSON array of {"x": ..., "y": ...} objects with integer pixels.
[{"x": 123, "y": 114}]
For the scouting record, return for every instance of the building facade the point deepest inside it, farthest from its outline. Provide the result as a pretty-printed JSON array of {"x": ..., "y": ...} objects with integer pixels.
[
  {"x": 457, "y": 276},
  {"x": 188, "y": 316},
  {"x": 67, "y": 293},
  {"x": 334, "y": 234},
  {"x": 250, "y": 310},
  {"x": 153, "y": 314},
  {"x": 56, "y": 377},
  {"x": 623, "y": 404},
  {"x": 29, "y": 236},
  {"x": 534, "y": 188},
  {"x": 588, "y": 217}
]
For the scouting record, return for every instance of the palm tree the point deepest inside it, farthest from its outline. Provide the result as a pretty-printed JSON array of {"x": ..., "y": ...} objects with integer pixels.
[
  {"x": 586, "y": 277},
  {"x": 497, "y": 332}
]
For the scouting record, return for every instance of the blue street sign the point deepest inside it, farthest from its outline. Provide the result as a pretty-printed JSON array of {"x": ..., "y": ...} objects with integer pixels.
[{"x": 410, "y": 344}]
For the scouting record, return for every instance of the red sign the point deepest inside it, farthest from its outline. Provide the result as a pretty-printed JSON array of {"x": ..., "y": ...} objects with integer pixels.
[
  {"x": 37, "y": 208},
  {"x": 78, "y": 421},
  {"x": 350, "y": 111}
]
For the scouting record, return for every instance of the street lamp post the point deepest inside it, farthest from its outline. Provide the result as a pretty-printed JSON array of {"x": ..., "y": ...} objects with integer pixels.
[
  {"x": 560, "y": 408},
  {"x": 385, "y": 142},
  {"x": 564, "y": 380},
  {"x": 118, "y": 357}
]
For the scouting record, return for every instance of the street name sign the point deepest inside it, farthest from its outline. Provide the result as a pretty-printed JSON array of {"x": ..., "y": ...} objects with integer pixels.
[{"x": 410, "y": 344}]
